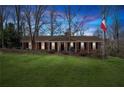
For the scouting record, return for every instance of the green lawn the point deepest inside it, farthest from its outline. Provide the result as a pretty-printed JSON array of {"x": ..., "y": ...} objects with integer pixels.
[{"x": 55, "y": 70}]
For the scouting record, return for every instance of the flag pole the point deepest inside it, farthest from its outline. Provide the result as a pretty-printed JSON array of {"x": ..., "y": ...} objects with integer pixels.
[
  {"x": 103, "y": 27},
  {"x": 104, "y": 51}
]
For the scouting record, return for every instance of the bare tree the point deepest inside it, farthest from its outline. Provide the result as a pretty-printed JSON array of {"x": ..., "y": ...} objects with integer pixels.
[
  {"x": 3, "y": 18},
  {"x": 98, "y": 33},
  {"x": 33, "y": 16},
  {"x": 39, "y": 11},
  {"x": 70, "y": 14},
  {"x": 53, "y": 25},
  {"x": 18, "y": 16},
  {"x": 52, "y": 19},
  {"x": 116, "y": 28},
  {"x": 23, "y": 25},
  {"x": 79, "y": 25}
]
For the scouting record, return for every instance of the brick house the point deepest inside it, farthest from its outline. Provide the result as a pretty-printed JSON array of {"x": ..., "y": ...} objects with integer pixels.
[{"x": 63, "y": 43}]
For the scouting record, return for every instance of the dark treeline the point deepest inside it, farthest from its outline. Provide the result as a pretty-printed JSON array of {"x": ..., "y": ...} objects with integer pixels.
[{"x": 18, "y": 21}]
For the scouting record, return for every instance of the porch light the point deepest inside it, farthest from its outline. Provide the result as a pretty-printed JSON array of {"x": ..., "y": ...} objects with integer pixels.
[
  {"x": 43, "y": 45},
  {"x": 53, "y": 45},
  {"x": 94, "y": 45},
  {"x": 71, "y": 44}
]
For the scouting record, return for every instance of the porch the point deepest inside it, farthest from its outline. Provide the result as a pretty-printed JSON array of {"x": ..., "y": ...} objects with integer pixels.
[{"x": 65, "y": 46}]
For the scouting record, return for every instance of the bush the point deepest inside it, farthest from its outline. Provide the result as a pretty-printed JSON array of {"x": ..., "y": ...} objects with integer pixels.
[{"x": 52, "y": 51}]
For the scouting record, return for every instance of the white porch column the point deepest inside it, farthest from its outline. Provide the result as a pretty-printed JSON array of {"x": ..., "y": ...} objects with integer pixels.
[
  {"x": 22, "y": 45},
  {"x": 29, "y": 45},
  {"x": 75, "y": 47},
  {"x": 58, "y": 46},
  {"x": 82, "y": 45},
  {"x": 65, "y": 46},
  {"x": 53, "y": 45},
  {"x": 94, "y": 45},
  {"x": 43, "y": 45},
  {"x": 48, "y": 46}
]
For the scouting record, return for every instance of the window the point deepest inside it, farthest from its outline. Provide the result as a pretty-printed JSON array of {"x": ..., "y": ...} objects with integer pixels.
[
  {"x": 97, "y": 45},
  {"x": 90, "y": 45},
  {"x": 26, "y": 45},
  {"x": 85, "y": 45},
  {"x": 39, "y": 45}
]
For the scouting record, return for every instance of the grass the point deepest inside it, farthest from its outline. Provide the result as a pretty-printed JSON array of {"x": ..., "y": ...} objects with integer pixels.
[{"x": 58, "y": 70}]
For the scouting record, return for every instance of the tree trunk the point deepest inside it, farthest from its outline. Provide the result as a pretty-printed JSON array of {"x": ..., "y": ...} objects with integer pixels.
[
  {"x": 2, "y": 32},
  {"x": 52, "y": 30},
  {"x": 17, "y": 8},
  {"x": 33, "y": 44}
]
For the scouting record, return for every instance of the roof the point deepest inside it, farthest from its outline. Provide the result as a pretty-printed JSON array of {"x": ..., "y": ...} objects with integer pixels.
[{"x": 64, "y": 38}]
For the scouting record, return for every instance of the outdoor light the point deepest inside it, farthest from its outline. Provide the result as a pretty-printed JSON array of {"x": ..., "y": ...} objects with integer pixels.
[
  {"x": 82, "y": 44},
  {"x": 94, "y": 45},
  {"x": 43, "y": 45},
  {"x": 53, "y": 45},
  {"x": 30, "y": 46},
  {"x": 71, "y": 44}
]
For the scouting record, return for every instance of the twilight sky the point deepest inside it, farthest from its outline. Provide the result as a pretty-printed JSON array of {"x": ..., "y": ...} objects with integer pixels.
[
  {"x": 89, "y": 16},
  {"x": 93, "y": 16}
]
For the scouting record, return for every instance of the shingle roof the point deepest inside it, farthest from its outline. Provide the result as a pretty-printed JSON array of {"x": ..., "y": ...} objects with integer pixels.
[{"x": 64, "y": 38}]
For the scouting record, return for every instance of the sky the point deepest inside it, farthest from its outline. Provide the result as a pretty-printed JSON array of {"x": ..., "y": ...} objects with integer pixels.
[{"x": 93, "y": 15}]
